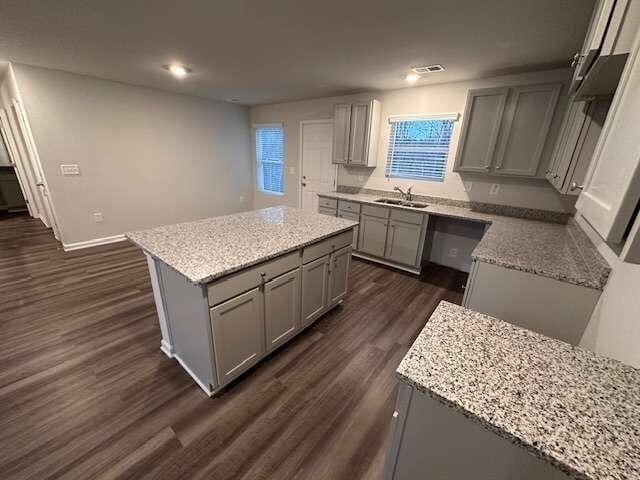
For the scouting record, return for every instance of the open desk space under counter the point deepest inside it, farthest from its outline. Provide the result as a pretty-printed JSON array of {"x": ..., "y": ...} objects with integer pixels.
[{"x": 229, "y": 290}]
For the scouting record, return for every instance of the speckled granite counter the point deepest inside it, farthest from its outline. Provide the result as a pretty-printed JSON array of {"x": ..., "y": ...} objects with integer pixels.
[
  {"x": 568, "y": 406},
  {"x": 554, "y": 250},
  {"x": 213, "y": 247}
]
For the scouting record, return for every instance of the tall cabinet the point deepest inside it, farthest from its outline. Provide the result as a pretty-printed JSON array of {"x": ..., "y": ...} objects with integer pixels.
[{"x": 356, "y": 129}]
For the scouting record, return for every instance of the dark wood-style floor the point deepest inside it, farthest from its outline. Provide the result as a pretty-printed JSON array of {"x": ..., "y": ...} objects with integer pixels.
[{"x": 86, "y": 393}]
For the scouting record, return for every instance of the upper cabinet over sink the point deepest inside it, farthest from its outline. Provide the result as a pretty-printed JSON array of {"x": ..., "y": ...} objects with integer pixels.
[
  {"x": 504, "y": 130},
  {"x": 356, "y": 127}
]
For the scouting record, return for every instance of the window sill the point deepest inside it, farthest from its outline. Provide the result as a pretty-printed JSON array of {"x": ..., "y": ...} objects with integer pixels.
[{"x": 269, "y": 192}]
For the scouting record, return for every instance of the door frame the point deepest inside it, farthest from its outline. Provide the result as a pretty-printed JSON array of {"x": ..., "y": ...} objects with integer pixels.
[
  {"x": 16, "y": 162},
  {"x": 301, "y": 160},
  {"x": 41, "y": 187}
]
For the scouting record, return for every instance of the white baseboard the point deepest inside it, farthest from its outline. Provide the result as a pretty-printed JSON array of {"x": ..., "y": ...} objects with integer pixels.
[
  {"x": 67, "y": 247},
  {"x": 166, "y": 348}
]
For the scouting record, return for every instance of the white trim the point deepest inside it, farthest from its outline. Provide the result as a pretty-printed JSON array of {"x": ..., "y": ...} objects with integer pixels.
[
  {"x": 166, "y": 348},
  {"x": 268, "y": 125},
  {"x": 67, "y": 247},
  {"x": 424, "y": 116},
  {"x": 321, "y": 121},
  {"x": 202, "y": 385},
  {"x": 371, "y": 258}
]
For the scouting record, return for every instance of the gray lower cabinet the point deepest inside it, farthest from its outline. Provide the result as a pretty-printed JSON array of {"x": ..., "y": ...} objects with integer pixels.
[
  {"x": 356, "y": 230},
  {"x": 315, "y": 280},
  {"x": 403, "y": 242},
  {"x": 373, "y": 235},
  {"x": 338, "y": 274},
  {"x": 282, "y": 308},
  {"x": 238, "y": 334}
]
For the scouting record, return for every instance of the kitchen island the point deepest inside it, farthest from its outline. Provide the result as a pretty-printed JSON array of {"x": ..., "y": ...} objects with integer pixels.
[{"x": 229, "y": 290}]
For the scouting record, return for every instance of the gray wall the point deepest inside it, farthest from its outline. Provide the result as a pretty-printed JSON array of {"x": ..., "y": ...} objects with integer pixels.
[
  {"x": 146, "y": 157},
  {"x": 442, "y": 98}
]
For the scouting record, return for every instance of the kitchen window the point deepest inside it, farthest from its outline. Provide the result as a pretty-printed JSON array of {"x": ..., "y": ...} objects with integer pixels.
[
  {"x": 270, "y": 158},
  {"x": 419, "y": 146}
]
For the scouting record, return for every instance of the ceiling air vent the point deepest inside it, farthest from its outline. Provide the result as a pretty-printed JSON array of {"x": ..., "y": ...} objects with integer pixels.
[{"x": 428, "y": 69}]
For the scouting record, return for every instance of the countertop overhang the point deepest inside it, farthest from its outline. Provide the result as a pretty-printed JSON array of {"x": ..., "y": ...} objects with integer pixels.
[
  {"x": 566, "y": 405},
  {"x": 207, "y": 249}
]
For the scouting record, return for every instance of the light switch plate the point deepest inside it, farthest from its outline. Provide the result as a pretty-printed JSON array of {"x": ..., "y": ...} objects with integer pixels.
[
  {"x": 494, "y": 189},
  {"x": 97, "y": 217},
  {"x": 70, "y": 169},
  {"x": 292, "y": 170}
]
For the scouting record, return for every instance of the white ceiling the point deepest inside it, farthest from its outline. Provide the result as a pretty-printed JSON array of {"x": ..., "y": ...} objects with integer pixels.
[{"x": 263, "y": 51}]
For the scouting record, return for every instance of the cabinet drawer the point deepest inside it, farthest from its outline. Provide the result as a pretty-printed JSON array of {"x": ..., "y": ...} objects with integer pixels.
[
  {"x": 347, "y": 206},
  {"x": 244, "y": 280},
  {"x": 372, "y": 210},
  {"x": 327, "y": 246},
  {"x": 327, "y": 211},
  {"x": 408, "y": 217},
  {"x": 327, "y": 202}
]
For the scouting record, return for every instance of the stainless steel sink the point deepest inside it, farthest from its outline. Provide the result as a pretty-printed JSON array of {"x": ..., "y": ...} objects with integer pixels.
[{"x": 403, "y": 203}]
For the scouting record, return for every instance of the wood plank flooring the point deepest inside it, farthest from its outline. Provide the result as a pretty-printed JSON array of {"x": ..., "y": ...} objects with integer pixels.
[{"x": 86, "y": 393}]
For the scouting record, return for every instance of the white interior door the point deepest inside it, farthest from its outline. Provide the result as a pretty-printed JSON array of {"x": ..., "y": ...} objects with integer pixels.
[{"x": 318, "y": 174}]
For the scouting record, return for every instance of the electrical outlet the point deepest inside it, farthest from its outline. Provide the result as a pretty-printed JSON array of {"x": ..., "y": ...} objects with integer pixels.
[
  {"x": 241, "y": 198},
  {"x": 467, "y": 186},
  {"x": 494, "y": 189},
  {"x": 97, "y": 217},
  {"x": 453, "y": 252}
]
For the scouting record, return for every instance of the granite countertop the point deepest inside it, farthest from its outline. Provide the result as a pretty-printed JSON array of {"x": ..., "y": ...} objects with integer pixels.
[
  {"x": 567, "y": 405},
  {"x": 213, "y": 247},
  {"x": 559, "y": 251}
]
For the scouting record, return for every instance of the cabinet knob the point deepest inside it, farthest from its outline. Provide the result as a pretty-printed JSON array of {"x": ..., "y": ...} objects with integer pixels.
[
  {"x": 575, "y": 186},
  {"x": 395, "y": 414}
]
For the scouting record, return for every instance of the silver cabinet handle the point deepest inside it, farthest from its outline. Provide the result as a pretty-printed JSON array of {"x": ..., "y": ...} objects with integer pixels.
[
  {"x": 575, "y": 186},
  {"x": 40, "y": 184}
]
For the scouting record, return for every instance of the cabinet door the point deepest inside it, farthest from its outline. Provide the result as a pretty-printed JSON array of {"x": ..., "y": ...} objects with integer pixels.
[
  {"x": 338, "y": 274},
  {"x": 577, "y": 170},
  {"x": 315, "y": 279},
  {"x": 373, "y": 235},
  {"x": 359, "y": 136},
  {"x": 238, "y": 334},
  {"x": 482, "y": 119},
  {"x": 403, "y": 242},
  {"x": 327, "y": 211},
  {"x": 595, "y": 36},
  {"x": 356, "y": 230},
  {"x": 282, "y": 308},
  {"x": 341, "y": 128},
  {"x": 566, "y": 144},
  {"x": 526, "y": 126},
  {"x": 612, "y": 188}
]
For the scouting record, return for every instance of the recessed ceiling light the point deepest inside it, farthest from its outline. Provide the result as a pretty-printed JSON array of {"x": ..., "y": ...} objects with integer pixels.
[
  {"x": 412, "y": 77},
  {"x": 177, "y": 70},
  {"x": 428, "y": 69}
]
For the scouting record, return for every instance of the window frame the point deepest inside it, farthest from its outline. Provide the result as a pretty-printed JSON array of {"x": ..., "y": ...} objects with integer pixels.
[
  {"x": 258, "y": 180},
  {"x": 454, "y": 117}
]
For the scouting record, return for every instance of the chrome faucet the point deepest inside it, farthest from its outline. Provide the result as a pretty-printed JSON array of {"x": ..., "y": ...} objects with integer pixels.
[{"x": 406, "y": 195}]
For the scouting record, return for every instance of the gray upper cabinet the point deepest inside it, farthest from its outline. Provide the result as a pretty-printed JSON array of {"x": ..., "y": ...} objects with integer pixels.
[
  {"x": 315, "y": 278},
  {"x": 373, "y": 235},
  {"x": 282, "y": 308},
  {"x": 338, "y": 275},
  {"x": 576, "y": 143},
  {"x": 356, "y": 131},
  {"x": 525, "y": 129},
  {"x": 403, "y": 242},
  {"x": 341, "y": 132},
  {"x": 480, "y": 127},
  {"x": 238, "y": 334},
  {"x": 504, "y": 130}
]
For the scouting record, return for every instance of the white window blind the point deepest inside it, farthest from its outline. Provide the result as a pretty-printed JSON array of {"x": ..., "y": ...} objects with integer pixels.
[
  {"x": 419, "y": 147},
  {"x": 270, "y": 158}
]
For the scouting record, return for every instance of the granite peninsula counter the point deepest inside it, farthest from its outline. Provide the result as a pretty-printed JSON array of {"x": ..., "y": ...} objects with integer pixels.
[
  {"x": 231, "y": 289},
  {"x": 539, "y": 407}
]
